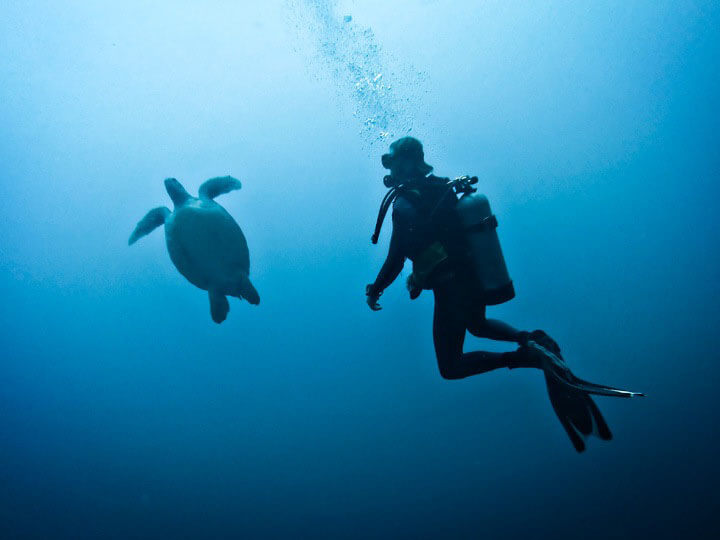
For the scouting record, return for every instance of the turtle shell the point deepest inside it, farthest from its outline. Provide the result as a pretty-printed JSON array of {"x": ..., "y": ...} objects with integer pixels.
[{"x": 207, "y": 246}]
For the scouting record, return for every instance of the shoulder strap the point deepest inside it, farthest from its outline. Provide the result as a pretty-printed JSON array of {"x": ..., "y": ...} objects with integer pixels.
[
  {"x": 387, "y": 201},
  {"x": 414, "y": 196}
]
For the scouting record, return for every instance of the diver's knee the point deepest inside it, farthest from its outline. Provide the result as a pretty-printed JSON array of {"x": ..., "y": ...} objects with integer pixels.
[
  {"x": 479, "y": 329},
  {"x": 450, "y": 372}
]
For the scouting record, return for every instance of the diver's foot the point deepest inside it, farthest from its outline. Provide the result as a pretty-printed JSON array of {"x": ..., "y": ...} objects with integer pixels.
[
  {"x": 525, "y": 357},
  {"x": 534, "y": 355},
  {"x": 541, "y": 338}
]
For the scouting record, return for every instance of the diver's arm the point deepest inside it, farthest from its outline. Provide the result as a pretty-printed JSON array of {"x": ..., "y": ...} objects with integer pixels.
[
  {"x": 403, "y": 217},
  {"x": 390, "y": 270},
  {"x": 392, "y": 266}
]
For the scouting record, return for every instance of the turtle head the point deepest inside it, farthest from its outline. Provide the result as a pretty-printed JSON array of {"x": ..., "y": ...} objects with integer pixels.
[{"x": 176, "y": 191}]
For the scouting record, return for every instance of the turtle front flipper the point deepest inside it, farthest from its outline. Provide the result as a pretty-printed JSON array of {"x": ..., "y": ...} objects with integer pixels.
[
  {"x": 219, "y": 306},
  {"x": 217, "y": 186},
  {"x": 152, "y": 220}
]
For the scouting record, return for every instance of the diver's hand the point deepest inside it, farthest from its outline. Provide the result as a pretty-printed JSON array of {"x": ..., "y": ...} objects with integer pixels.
[
  {"x": 372, "y": 297},
  {"x": 413, "y": 288}
]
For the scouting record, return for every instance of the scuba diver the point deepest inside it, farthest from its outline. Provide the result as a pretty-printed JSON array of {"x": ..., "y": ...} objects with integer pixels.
[{"x": 449, "y": 233}]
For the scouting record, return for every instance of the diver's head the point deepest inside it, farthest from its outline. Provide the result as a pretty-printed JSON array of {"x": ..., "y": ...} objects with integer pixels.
[
  {"x": 176, "y": 191},
  {"x": 406, "y": 160}
]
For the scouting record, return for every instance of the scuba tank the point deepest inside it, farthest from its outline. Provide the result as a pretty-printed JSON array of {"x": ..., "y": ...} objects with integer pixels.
[
  {"x": 480, "y": 240},
  {"x": 483, "y": 245}
]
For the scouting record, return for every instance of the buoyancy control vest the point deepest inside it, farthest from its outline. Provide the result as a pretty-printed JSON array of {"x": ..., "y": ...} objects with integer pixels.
[{"x": 455, "y": 232}]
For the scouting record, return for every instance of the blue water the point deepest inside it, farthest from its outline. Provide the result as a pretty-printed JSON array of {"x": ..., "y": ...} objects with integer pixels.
[{"x": 126, "y": 413}]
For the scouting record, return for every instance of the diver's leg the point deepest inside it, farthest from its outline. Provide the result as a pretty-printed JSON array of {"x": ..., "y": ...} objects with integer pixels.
[
  {"x": 501, "y": 331},
  {"x": 482, "y": 327},
  {"x": 449, "y": 327},
  {"x": 496, "y": 330}
]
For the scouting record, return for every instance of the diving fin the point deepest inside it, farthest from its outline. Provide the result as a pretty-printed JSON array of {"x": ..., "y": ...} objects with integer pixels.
[
  {"x": 553, "y": 365},
  {"x": 571, "y": 398},
  {"x": 577, "y": 412}
]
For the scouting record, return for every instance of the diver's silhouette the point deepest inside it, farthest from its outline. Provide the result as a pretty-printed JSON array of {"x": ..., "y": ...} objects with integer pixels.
[{"x": 454, "y": 248}]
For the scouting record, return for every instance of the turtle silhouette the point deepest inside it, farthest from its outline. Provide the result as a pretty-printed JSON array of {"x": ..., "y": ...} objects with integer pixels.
[{"x": 205, "y": 243}]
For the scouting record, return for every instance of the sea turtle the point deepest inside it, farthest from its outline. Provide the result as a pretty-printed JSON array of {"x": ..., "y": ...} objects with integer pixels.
[{"x": 204, "y": 242}]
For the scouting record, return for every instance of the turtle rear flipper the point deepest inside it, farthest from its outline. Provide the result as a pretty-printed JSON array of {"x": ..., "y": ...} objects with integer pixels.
[
  {"x": 219, "y": 306},
  {"x": 247, "y": 291}
]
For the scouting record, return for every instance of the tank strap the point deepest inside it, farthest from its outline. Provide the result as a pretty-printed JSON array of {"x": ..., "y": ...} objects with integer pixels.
[{"x": 487, "y": 223}]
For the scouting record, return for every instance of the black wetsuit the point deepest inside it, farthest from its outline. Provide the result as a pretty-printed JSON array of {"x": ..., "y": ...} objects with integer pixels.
[
  {"x": 422, "y": 214},
  {"x": 422, "y": 217}
]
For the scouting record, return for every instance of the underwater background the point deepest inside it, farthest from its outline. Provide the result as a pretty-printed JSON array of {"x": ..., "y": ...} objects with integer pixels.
[{"x": 125, "y": 412}]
